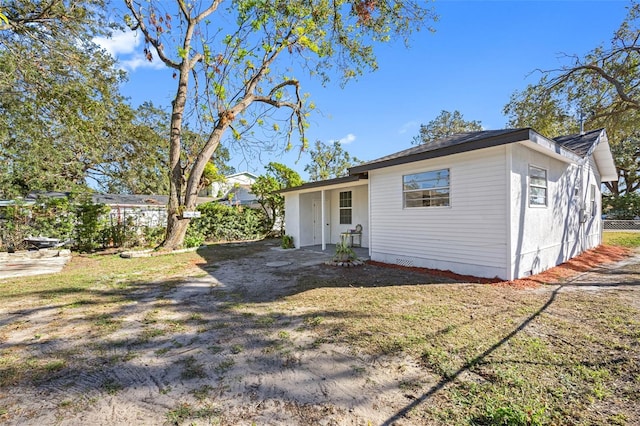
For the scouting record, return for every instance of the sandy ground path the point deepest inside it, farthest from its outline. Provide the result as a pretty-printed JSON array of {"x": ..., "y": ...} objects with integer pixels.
[
  {"x": 212, "y": 350},
  {"x": 183, "y": 351},
  {"x": 32, "y": 263}
]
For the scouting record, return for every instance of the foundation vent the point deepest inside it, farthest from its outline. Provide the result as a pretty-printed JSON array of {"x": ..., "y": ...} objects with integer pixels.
[{"x": 404, "y": 262}]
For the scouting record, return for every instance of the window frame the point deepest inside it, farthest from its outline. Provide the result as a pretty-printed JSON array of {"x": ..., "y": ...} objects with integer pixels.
[
  {"x": 592, "y": 199},
  {"x": 344, "y": 208},
  {"x": 532, "y": 185},
  {"x": 436, "y": 189}
]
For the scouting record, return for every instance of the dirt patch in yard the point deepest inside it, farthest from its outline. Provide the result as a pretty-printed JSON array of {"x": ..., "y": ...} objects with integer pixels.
[{"x": 249, "y": 333}]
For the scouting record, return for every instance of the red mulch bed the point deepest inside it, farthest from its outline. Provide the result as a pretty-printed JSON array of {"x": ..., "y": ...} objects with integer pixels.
[
  {"x": 438, "y": 273},
  {"x": 584, "y": 262}
]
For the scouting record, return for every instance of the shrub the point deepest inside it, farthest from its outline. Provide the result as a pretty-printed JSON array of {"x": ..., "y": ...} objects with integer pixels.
[
  {"x": 228, "y": 223},
  {"x": 287, "y": 242},
  {"x": 194, "y": 238},
  {"x": 89, "y": 234}
]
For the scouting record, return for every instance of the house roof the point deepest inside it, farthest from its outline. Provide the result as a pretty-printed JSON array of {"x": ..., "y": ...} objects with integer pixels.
[
  {"x": 454, "y": 144},
  {"x": 130, "y": 200},
  {"x": 580, "y": 143},
  {"x": 566, "y": 148},
  {"x": 328, "y": 182},
  {"x": 595, "y": 143},
  {"x": 245, "y": 173}
]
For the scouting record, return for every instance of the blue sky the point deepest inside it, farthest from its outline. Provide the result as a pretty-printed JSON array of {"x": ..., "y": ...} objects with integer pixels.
[{"x": 480, "y": 53}]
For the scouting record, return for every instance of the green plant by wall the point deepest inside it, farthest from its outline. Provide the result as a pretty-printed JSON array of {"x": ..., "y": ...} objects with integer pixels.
[
  {"x": 73, "y": 217},
  {"x": 287, "y": 242},
  {"x": 344, "y": 252}
]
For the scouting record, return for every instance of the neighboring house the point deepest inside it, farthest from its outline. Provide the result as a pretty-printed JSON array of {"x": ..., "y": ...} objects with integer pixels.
[
  {"x": 235, "y": 190},
  {"x": 140, "y": 210},
  {"x": 496, "y": 203}
]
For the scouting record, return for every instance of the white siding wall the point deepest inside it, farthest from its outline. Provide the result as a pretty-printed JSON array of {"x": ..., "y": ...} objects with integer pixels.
[
  {"x": 292, "y": 216},
  {"x": 543, "y": 237},
  {"x": 360, "y": 213},
  {"x": 469, "y": 237}
]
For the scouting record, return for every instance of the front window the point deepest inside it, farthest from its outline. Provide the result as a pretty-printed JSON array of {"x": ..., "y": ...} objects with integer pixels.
[
  {"x": 345, "y": 208},
  {"x": 537, "y": 186},
  {"x": 427, "y": 189},
  {"x": 592, "y": 200}
]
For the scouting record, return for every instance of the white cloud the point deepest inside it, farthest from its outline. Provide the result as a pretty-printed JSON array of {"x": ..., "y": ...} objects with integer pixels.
[
  {"x": 120, "y": 43},
  {"x": 124, "y": 46},
  {"x": 139, "y": 61},
  {"x": 408, "y": 126},
  {"x": 347, "y": 139}
]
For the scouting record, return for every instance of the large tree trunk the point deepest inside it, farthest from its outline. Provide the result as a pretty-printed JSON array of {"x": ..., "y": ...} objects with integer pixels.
[
  {"x": 176, "y": 231},
  {"x": 176, "y": 225}
]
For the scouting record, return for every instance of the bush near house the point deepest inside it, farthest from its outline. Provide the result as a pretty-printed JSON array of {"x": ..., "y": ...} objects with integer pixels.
[{"x": 229, "y": 223}]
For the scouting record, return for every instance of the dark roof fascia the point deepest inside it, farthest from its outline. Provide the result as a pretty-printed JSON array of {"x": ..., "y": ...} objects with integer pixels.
[
  {"x": 328, "y": 182},
  {"x": 503, "y": 139}
]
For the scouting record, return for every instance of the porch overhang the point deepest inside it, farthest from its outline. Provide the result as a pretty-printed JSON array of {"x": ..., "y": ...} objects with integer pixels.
[{"x": 325, "y": 185}]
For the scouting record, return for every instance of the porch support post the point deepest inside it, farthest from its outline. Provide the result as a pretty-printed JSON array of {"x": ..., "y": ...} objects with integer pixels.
[{"x": 324, "y": 243}]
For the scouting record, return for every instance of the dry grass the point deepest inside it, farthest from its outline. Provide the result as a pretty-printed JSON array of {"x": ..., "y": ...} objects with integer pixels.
[
  {"x": 491, "y": 354},
  {"x": 500, "y": 355}
]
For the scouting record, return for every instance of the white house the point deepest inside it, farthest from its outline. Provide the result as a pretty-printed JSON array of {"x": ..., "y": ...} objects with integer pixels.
[
  {"x": 497, "y": 203},
  {"x": 235, "y": 190}
]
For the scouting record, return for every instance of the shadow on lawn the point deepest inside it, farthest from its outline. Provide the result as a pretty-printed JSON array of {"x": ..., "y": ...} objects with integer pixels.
[{"x": 469, "y": 365}]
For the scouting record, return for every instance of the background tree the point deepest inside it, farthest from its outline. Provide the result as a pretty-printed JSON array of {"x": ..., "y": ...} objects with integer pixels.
[
  {"x": 601, "y": 89},
  {"x": 62, "y": 117},
  {"x": 277, "y": 177},
  {"x": 59, "y": 93},
  {"x": 329, "y": 161},
  {"x": 233, "y": 67},
  {"x": 445, "y": 124}
]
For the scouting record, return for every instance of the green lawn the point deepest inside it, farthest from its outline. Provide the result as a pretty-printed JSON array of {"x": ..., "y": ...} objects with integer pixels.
[
  {"x": 490, "y": 355},
  {"x": 624, "y": 239}
]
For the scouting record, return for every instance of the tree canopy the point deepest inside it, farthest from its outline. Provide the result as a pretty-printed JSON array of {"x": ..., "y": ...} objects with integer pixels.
[
  {"x": 329, "y": 161},
  {"x": 277, "y": 177},
  {"x": 445, "y": 124},
  {"x": 235, "y": 66},
  {"x": 599, "y": 90},
  {"x": 63, "y": 120}
]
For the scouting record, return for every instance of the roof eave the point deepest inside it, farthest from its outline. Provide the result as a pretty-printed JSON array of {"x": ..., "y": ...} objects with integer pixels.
[
  {"x": 344, "y": 181},
  {"x": 604, "y": 159},
  {"x": 511, "y": 137}
]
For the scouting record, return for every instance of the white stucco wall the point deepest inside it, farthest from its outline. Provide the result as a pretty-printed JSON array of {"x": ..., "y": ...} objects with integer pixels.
[
  {"x": 468, "y": 237},
  {"x": 543, "y": 237}
]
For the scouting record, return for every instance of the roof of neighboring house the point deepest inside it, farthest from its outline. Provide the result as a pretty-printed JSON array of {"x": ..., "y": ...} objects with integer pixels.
[
  {"x": 130, "y": 199},
  {"x": 251, "y": 175},
  {"x": 34, "y": 195}
]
